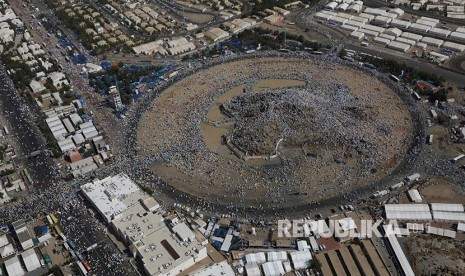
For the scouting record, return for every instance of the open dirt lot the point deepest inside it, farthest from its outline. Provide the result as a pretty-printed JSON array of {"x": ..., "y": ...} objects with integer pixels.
[
  {"x": 431, "y": 255},
  {"x": 173, "y": 131},
  {"x": 438, "y": 190},
  {"x": 198, "y": 17}
]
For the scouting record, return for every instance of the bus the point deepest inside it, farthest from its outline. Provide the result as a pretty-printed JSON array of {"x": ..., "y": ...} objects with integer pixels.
[
  {"x": 57, "y": 229},
  {"x": 349, "y": 51},
  {"x": 49, "y": 219},
  {"x": 92, "y": 247},
  {"x": 87, "y": 266},
  {"x": 71, "y": 244},
  {"x": 417, "y": 96},
  {"x": 458, "y": 158},
  {"x": 430, "y": 139},
  {"x": 63, "y": 237},
  {"x": 82, "y": 268},
  {"x": 54, "y": 219},
  {"x": 5, "y": 129},
  {"x": 28, "y": 176},
  {"x": 394, "y": 78}
]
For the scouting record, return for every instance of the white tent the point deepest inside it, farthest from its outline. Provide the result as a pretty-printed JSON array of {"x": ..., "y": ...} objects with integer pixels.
[
  {"x": 6, "y": 251},
  {"x": 31, "y": 261}
]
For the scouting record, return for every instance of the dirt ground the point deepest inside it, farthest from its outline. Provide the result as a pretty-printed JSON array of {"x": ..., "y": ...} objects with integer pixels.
[
  {"x": 198, "y": 18},
  {"x": 294, "y": 30},
  {"x": 438, "y": 190},
  {"x": 171, "y": 131},
  {"x": 430, "y": 255},
  {"x": 57, "y": 253}
]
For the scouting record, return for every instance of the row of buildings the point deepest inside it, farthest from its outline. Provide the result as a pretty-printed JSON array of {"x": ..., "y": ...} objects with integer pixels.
[
  {"x": 452, "y": 8},
  {"x": 159, "y": 47},
  {"x": 182, "y": 45},
  {"x": 383, "y": 27},
  {"x": 103, "y": 33}
]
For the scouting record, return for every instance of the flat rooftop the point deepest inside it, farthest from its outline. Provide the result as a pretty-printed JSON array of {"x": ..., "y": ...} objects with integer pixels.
[
  {"x": 113, "y": 195},
  {"x": 162, "y": 252},
  {"x": 165, "y": 245}
]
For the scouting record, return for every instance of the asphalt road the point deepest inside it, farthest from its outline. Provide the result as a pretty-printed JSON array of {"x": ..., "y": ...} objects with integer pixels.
[
  {"x": 25, "y": 132},
  {"x": 85, "y": 230},
  {"x": 450, "y": 76},
  {"x": 457, "y": 64}
]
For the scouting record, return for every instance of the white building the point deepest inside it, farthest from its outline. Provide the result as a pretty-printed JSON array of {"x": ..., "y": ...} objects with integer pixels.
[
  {"x": 165, "y": 247},
  {"x": 415, "y": 196},
  {"x": 398, "y": 46},
  {"x": 13, "y": 267},
  {"x": 222, "y": 268},
  {"x": 216, "y": 34},
  {"x": 461, "y": 227},
  {"x": 92, "y": 68},
  {"x": 301, "y": 259},
  {"x": 23, "y": 234},
  {"x": 116, "y": 98},
  {"x": 393, "y": 31},
  {"x": 453, "y": 46},
  {"x": 280, "y": 256},
  {"x": 30, "y": 259},
  {"x": 255, "y": 258},
  {"x": 413, "y": 177},
  {"x": 58, "y": 79},
  {"x": 7, "y": 251},
  {"x": 412, "y": 212},
  {"x": 411, "y": 36},
  {"x": 36, "y": 86},
  {"x": 151, "y": 48},
  {"x": 400, "y": 23},
  {"x": 357, "y": 35},
  {"x": 432, "y": 41},
  {"x": 273, "y": 268}
]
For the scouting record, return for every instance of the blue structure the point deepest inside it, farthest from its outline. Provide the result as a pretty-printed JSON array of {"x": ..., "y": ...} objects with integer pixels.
[
  {"x": 79, "y": 59},
  {"x": 43, "y": 229},
  {"x": 106, "y": 65}
]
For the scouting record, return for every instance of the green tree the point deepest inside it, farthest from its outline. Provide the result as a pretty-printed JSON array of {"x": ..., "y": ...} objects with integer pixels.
[
  {"x": 342, "y": 52},
  {"x": 316, "y": 264}
]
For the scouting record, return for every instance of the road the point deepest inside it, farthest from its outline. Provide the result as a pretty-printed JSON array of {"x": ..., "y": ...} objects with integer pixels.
[
  {"x": 26, "y": 134},
  {"x": 80, "y": 85},
  {"x": 457, "y": 64},
  {"x": 450, "y": 76},
  {"x": 140, "y": 59},
  {"x": 84, "y": 230}
]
